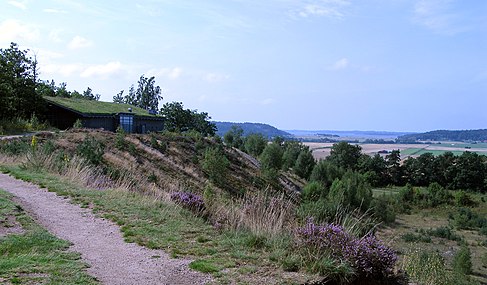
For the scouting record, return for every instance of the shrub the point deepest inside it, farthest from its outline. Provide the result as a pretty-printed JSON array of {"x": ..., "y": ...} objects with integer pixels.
[
  {"x": 189, "y": 201},
  {"x": 462, "y": 261},
  {"x": 411, "y": 237},
  {"x": 383, "y": 209},
  {"x": 91, "y": 150},
  {"x": 444, "y": 232},
  {"x": 425, "y": 267},
  {"x": 120, "y": 142},
  {"x": 271, "y": 157},
  {"x": 14, "y": 147},
  {"x": 313, "y": 191},
  {"x": 78, "y": 124},
  {"x": 304, "y": 164},
  {"x": 367, "y": 255},
  {"x": 215, "y": 165},
  {"x": 463, "y": 199},
  {"x": 255, "y": 144}
]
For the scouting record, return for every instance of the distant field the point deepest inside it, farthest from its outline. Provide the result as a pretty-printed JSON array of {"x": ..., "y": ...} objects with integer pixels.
[{"x": 322, "y": 150}]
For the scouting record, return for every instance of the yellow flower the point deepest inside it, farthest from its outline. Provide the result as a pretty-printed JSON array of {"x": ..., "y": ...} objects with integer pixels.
[{"x": 33, "y": 143}]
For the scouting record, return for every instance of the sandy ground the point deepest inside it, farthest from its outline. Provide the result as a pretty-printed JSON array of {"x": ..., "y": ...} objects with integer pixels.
[{"x": 99, "y": 241}]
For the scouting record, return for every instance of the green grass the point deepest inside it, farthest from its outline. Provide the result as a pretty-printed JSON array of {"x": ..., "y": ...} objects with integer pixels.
[
  {"x": 158, "y": 225},
  {"x": 420, "y": 151},
  {"x": 36, "y": 256},
  {"x": 96, "y": 107}
]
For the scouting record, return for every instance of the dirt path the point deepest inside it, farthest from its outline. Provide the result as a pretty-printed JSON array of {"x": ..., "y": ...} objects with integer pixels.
[{"x": 99, "y": 241}]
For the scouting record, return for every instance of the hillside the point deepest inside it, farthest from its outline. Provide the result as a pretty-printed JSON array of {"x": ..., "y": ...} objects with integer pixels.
[
  {"x": 446, "y": 135},
  {"x": 251, "y": 128}
]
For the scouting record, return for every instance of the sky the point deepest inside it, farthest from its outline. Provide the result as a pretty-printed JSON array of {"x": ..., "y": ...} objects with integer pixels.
[{"x": 392, "y": 65}]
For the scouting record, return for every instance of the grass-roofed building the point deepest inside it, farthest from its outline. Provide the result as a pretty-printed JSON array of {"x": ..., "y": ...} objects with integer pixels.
[{"x": 63, "y": 113}]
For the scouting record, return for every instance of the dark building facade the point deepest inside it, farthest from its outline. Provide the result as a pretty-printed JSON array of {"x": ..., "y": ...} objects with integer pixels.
[{"x": 63, "y": 118}]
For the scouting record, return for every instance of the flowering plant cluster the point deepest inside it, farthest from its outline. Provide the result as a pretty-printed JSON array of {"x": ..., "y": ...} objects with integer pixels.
[
  {"x": 367, "y": 255},
  {"x": 188, "y": 200}
]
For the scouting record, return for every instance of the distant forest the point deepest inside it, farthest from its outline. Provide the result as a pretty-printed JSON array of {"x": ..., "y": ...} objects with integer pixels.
[
  {"x": 267, "y": 131},
  {"x": 444, "y": 135}
]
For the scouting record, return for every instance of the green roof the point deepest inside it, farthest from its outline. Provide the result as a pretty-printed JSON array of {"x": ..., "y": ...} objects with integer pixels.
[{"x": 91, "y": 107}]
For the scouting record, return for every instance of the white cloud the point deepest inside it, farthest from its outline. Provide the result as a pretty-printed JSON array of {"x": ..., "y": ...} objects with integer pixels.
[
  {"x": 54, "y": 11},
  {"x": 171, "y": 73},
  {"x": 19, "y": 4},
  {"x": 216, "y": 77},
  {"x": 267, "y": 101},
  {"x": 438, "y": 16},
  {"x": 102, "y": 69},
  {"x": 61, "y": 69},
  {"x": 55, "y": 35},
  {"x": 322, "y": 8},
  {"x": 79, "y": 42},
  {"x": 341, "y": 64},
  {"x": 13, "y": 30}
]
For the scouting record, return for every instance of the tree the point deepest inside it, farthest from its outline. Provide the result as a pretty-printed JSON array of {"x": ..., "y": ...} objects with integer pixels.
[
  {"x": 255, "y": 144},
  {"x": 304, "y": 163},
  {"x": 325, "y": 172},
  {"x": 18, "y": 75},
  {"x": 292, "y": 149},
  {"x": 234, "y": 137},
  {"x": 271, "y": 157},
  {"x": 393, "y": 161},
  {"x": 345, "y": 155},
  {"x": 119, "y": 97},
  {"x": 148, "y": 94},
  {"x": 88, "y": 94},
  {"x": 179, "y": 119}
]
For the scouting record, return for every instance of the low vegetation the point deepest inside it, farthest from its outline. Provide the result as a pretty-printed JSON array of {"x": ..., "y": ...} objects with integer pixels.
[{"x": 31, "y": 255}]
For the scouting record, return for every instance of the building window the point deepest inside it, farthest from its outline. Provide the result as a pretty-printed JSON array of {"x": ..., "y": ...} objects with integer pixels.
[{"x": 127, "y": 122}]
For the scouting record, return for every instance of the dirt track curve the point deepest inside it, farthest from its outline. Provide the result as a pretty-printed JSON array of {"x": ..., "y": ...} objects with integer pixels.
[{"x": 99, "y": 241}]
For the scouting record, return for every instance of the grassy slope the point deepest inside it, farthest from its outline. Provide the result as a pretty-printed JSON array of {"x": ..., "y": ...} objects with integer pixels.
[
  {"x": 35, "y": 256},
  {"x": 425, "y": 219},
  {"x": 230, "y": 256}
]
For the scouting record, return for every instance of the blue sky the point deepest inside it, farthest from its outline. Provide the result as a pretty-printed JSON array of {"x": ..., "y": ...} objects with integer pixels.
[{"x": 404, "y": 65}]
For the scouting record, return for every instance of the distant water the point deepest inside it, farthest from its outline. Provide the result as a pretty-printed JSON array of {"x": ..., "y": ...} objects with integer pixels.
[{"x": 349, "y": 134}]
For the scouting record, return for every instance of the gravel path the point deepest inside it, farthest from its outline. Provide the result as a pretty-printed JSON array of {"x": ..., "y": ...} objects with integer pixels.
[{"x": 99, "y": 241}]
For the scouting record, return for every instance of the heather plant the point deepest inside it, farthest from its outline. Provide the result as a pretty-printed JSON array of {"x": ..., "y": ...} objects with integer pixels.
[
  {"x": 189, "y": 201},
  {"x": 367, "y": 255}
]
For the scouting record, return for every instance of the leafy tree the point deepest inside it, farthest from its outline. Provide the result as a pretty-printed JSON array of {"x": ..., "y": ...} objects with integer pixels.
[
  {"x": 271, "y": 157},
  {"x": 325, "y": 172},
  {"x": 345, "y": 155},
  {"x": 215, "y": 165},
  {"x": 148, "y": 94},
  {"x": 304, "y": 164},
  {"x": 18, "y": 75},
  {"x": 292, "y": 149},
  {"x": 234, "y": 137},
  {"x": 119, "y": 97},
  {"x": 255, "y": 144},
  {"x": 88, "y": 94},
  {"x": 179, "y": 119},
  {"x": 394, "y": 169}
]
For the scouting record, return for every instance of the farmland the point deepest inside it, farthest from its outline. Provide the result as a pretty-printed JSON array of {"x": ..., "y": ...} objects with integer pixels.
[{"x": 322, "y": 150}]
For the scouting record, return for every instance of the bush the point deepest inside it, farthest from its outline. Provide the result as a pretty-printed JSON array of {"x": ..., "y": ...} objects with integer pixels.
[
  {"x": 271, "y": 157},
  {"x": 383, "y": 209},
  {"x": 313, "y": 191},
  {"x": 463, "y": 199},
  {"x": 14, "y": 147},
  {"x": 367, "y": 255},
  {"x": 215, "y": 165},
  {"x": 304, "y": 164},
  {"x": 255, "y": 144},
  {"x": 426, "y": 268},
  {"x": 462, "y": 261},
  {"x": 91, "y": 150},
  {"x": 189, "y": 201},
  {"x": 444, "y": 232}
]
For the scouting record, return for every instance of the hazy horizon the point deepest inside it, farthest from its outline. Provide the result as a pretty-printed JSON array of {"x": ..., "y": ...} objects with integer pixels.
[{"x": 404, "y": 65}]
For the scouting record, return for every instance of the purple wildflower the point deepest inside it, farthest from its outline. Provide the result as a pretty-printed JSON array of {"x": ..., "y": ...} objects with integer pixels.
[
  {"x": 188, "y": 200},
  {"x": 367, "y": 255}
]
